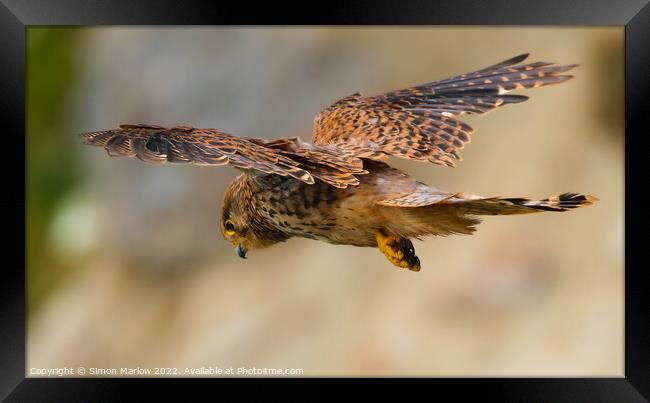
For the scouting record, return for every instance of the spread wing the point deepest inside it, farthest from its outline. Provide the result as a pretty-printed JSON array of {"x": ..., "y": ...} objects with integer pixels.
[
  {"x": 420, "y": 122},
  {"x": 285, "y": 157}
]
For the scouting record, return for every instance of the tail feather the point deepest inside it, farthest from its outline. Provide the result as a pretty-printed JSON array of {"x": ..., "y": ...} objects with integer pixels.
[
  {"x": 507, "y": 206},
  {"x": 418, "y": 216},
  {"x": 563, "y": 202}
]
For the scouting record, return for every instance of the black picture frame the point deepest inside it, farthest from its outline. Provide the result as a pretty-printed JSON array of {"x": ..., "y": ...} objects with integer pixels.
[{"x": 16, "y": 15}]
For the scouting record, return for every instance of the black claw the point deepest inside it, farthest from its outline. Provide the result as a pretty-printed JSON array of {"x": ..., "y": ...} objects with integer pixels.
[{"x": 409, "y": 252}]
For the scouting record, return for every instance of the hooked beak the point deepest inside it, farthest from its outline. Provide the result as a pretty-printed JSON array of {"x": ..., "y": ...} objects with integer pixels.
[{"x": 241, "y": 251}]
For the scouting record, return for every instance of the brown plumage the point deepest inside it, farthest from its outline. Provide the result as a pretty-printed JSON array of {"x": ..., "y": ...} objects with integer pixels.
[
  {"x": 337, "y": 189},
  {"x": 286, "y": 157},
  {"x": 419, "y": 122}
]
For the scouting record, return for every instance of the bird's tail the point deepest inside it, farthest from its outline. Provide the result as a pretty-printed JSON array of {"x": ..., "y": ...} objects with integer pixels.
[
  {"x": 474, "y": 205},
  {"x": 457, "y": 213}
]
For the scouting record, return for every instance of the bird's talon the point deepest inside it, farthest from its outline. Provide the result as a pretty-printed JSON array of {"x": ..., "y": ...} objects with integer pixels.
[{"x": 398, "y": 250}]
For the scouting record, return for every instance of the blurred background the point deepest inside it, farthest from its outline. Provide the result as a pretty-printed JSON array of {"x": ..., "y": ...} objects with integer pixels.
[{"x": 127, "y": 266}]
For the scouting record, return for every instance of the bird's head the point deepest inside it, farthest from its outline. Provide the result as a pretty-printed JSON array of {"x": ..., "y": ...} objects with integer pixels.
[{"x": 241, "y": 221}]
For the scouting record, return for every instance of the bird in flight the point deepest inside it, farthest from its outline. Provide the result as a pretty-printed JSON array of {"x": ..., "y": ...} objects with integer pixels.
[{"x": 338, "y": 187}]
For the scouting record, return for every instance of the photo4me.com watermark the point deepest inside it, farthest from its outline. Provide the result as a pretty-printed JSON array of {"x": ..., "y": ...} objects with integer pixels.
[{"x": 169, "y": 371}]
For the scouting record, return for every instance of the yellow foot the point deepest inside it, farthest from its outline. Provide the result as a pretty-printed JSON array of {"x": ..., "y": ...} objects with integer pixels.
[{"x": 398, "y": 250}]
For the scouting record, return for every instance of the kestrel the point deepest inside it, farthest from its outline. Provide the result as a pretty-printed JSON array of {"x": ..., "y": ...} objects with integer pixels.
[{"x": 337, "y": 188}]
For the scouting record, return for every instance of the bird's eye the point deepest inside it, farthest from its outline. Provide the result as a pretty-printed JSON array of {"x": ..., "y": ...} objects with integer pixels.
[{"x": 230, "y": 227}]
